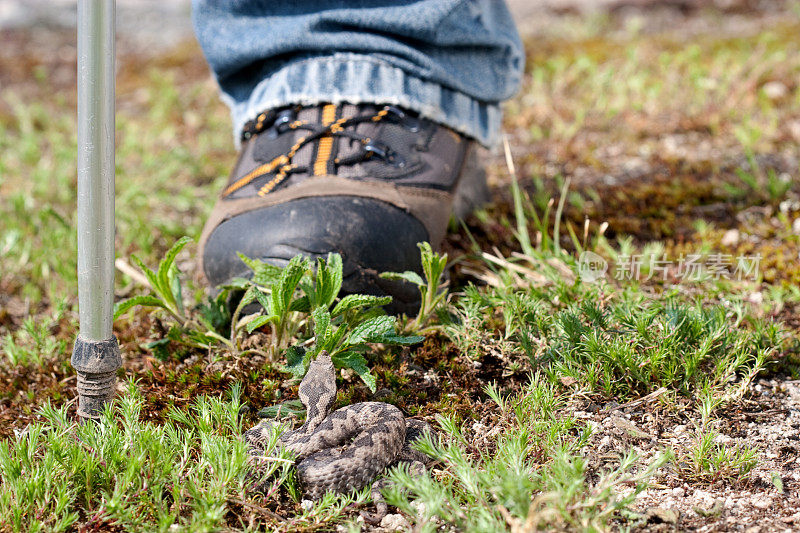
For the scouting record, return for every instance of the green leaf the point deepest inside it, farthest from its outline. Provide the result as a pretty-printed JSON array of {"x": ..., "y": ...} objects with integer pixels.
[
  {"x": 296, "y": 361},
  {"x": 260, "y": 321},
  {"x": 335, "y": 340},
  {"x": 285, "y": 409},
  {"x": 295, "y": 355},
  {"x": 301, "y": 305},
  {"x": 433, "y": 264},
  {"x": 408, "y": 275},
  {"x": 248, "y": 297},
  {"x": 264, "y": 274},
  {"x": 237, "y": 284},
  {"x": 175, "y": 288},
  {"x": 159, "y": 348},
  {"x": 167, "y": 263},
  {"x": 329, "y": 279},
  {"x": 354, "y": 301},
  {"x": 290, "y": 277},
  {"x": 253, "y": 264},
  {"x": 149, "y": 274},
  {"x": 358, "y": 364},
  {"x": 264, "y": 300},
  {"x": 336, "y": 268},
  {"x": 148, "y": 301},
  {"x": 399, "y": 339},
  {"x": 322, "y": 326},
  {"x": 205, "y": 340},
  {"x": 376, "y": 327},
  {"x": 310, "y": 291},
  {"x": 215, "y": 314},
  {"x": 175, "y": 334}
]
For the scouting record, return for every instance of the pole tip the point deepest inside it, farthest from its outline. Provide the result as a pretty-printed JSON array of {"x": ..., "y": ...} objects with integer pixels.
[{"x": 96, "y": 363}]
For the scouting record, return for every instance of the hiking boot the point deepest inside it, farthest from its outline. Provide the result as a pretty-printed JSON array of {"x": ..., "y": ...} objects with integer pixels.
[{"x": 368, "y": 182}]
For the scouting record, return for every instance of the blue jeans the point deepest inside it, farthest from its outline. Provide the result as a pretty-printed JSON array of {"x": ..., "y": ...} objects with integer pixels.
[{"x": 452, "y": 61}]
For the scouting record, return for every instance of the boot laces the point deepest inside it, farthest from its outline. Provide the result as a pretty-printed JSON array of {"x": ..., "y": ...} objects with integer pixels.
[{"x": 285, "y": 120}]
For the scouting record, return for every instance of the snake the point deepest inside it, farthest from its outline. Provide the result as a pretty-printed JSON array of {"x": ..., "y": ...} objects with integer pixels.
[{"x": 344, "y": 450}]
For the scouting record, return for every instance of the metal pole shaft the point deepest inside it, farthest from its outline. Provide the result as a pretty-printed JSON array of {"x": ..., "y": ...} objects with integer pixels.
[
  {"x": 96, "y": 167},
  {"x": 96, "y": 355}
]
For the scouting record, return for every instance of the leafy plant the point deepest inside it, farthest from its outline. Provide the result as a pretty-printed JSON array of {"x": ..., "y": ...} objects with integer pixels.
[
  {"x": 198, "y": 330},
  {"x": 276, "y": 290},
  {"x": 164, "y": 283},
  {"x": 432, "y": 290},
  {"x": 347, "y": 342},
  {"x": 343, "y": 327},
  {"x": 299, "y": 303}
]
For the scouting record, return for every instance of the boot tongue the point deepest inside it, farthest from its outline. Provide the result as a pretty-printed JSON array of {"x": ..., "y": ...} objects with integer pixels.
[
  {"x": 271, "y": 144},
  {"x": 344, "y": 148},
  {"x": 318, "y": 155},
  {"x": 304, "y": 156}
]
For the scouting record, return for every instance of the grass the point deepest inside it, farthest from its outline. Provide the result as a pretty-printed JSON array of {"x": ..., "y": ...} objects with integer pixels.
[
  {"x": 533, "y": 450},
  {"x": 710, "y": 461},
  {"x": 124, "y": 473},
  {"x": 517, "y": 348}
]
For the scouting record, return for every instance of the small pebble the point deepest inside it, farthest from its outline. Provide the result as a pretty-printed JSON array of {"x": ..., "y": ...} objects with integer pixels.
[
  {"x": 730, "y": 238},
  {"x": 703, "y": 498},
  {"x": 722, "y": 439},
  {"x": 419, "y": 507},
  {"x": 678, "y": 492},
  {"x": 395, "y": 522},
  {"x": 762, "y": 502},
  {"x": 756, "y": 297},
  {"x": 774, "y": 90}
]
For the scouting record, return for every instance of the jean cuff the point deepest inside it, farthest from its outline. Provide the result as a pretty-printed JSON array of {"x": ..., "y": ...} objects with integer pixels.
[{"x": 357, "y": 79}]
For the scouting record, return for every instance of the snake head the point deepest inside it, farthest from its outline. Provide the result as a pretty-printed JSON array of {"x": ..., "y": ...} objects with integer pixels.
[
  {"x": 323, "y": 361},
  {"x": 318, "y": 389}
]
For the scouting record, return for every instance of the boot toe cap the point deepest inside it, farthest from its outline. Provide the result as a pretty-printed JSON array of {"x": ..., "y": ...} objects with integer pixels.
[{"x": 372, "y": 237}]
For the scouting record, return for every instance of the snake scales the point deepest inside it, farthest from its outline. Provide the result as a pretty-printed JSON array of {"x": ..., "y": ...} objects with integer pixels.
[{"x": 346, "y": 449}]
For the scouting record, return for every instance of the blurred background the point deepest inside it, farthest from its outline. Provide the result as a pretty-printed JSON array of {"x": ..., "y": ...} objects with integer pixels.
[{"x": 675, "y": 122}]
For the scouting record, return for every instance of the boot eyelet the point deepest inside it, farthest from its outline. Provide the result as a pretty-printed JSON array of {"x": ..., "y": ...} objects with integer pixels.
[
  {"x": 281, "y": 124},
  {"x": 408, "y": 122}
]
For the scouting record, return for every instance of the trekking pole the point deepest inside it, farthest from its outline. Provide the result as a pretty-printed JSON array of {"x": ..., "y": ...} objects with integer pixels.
[{"x": 96, "y": 356}]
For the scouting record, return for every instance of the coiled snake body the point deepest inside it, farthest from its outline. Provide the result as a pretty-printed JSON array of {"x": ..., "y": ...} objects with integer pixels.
[{"x": 343, "y": 450}]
